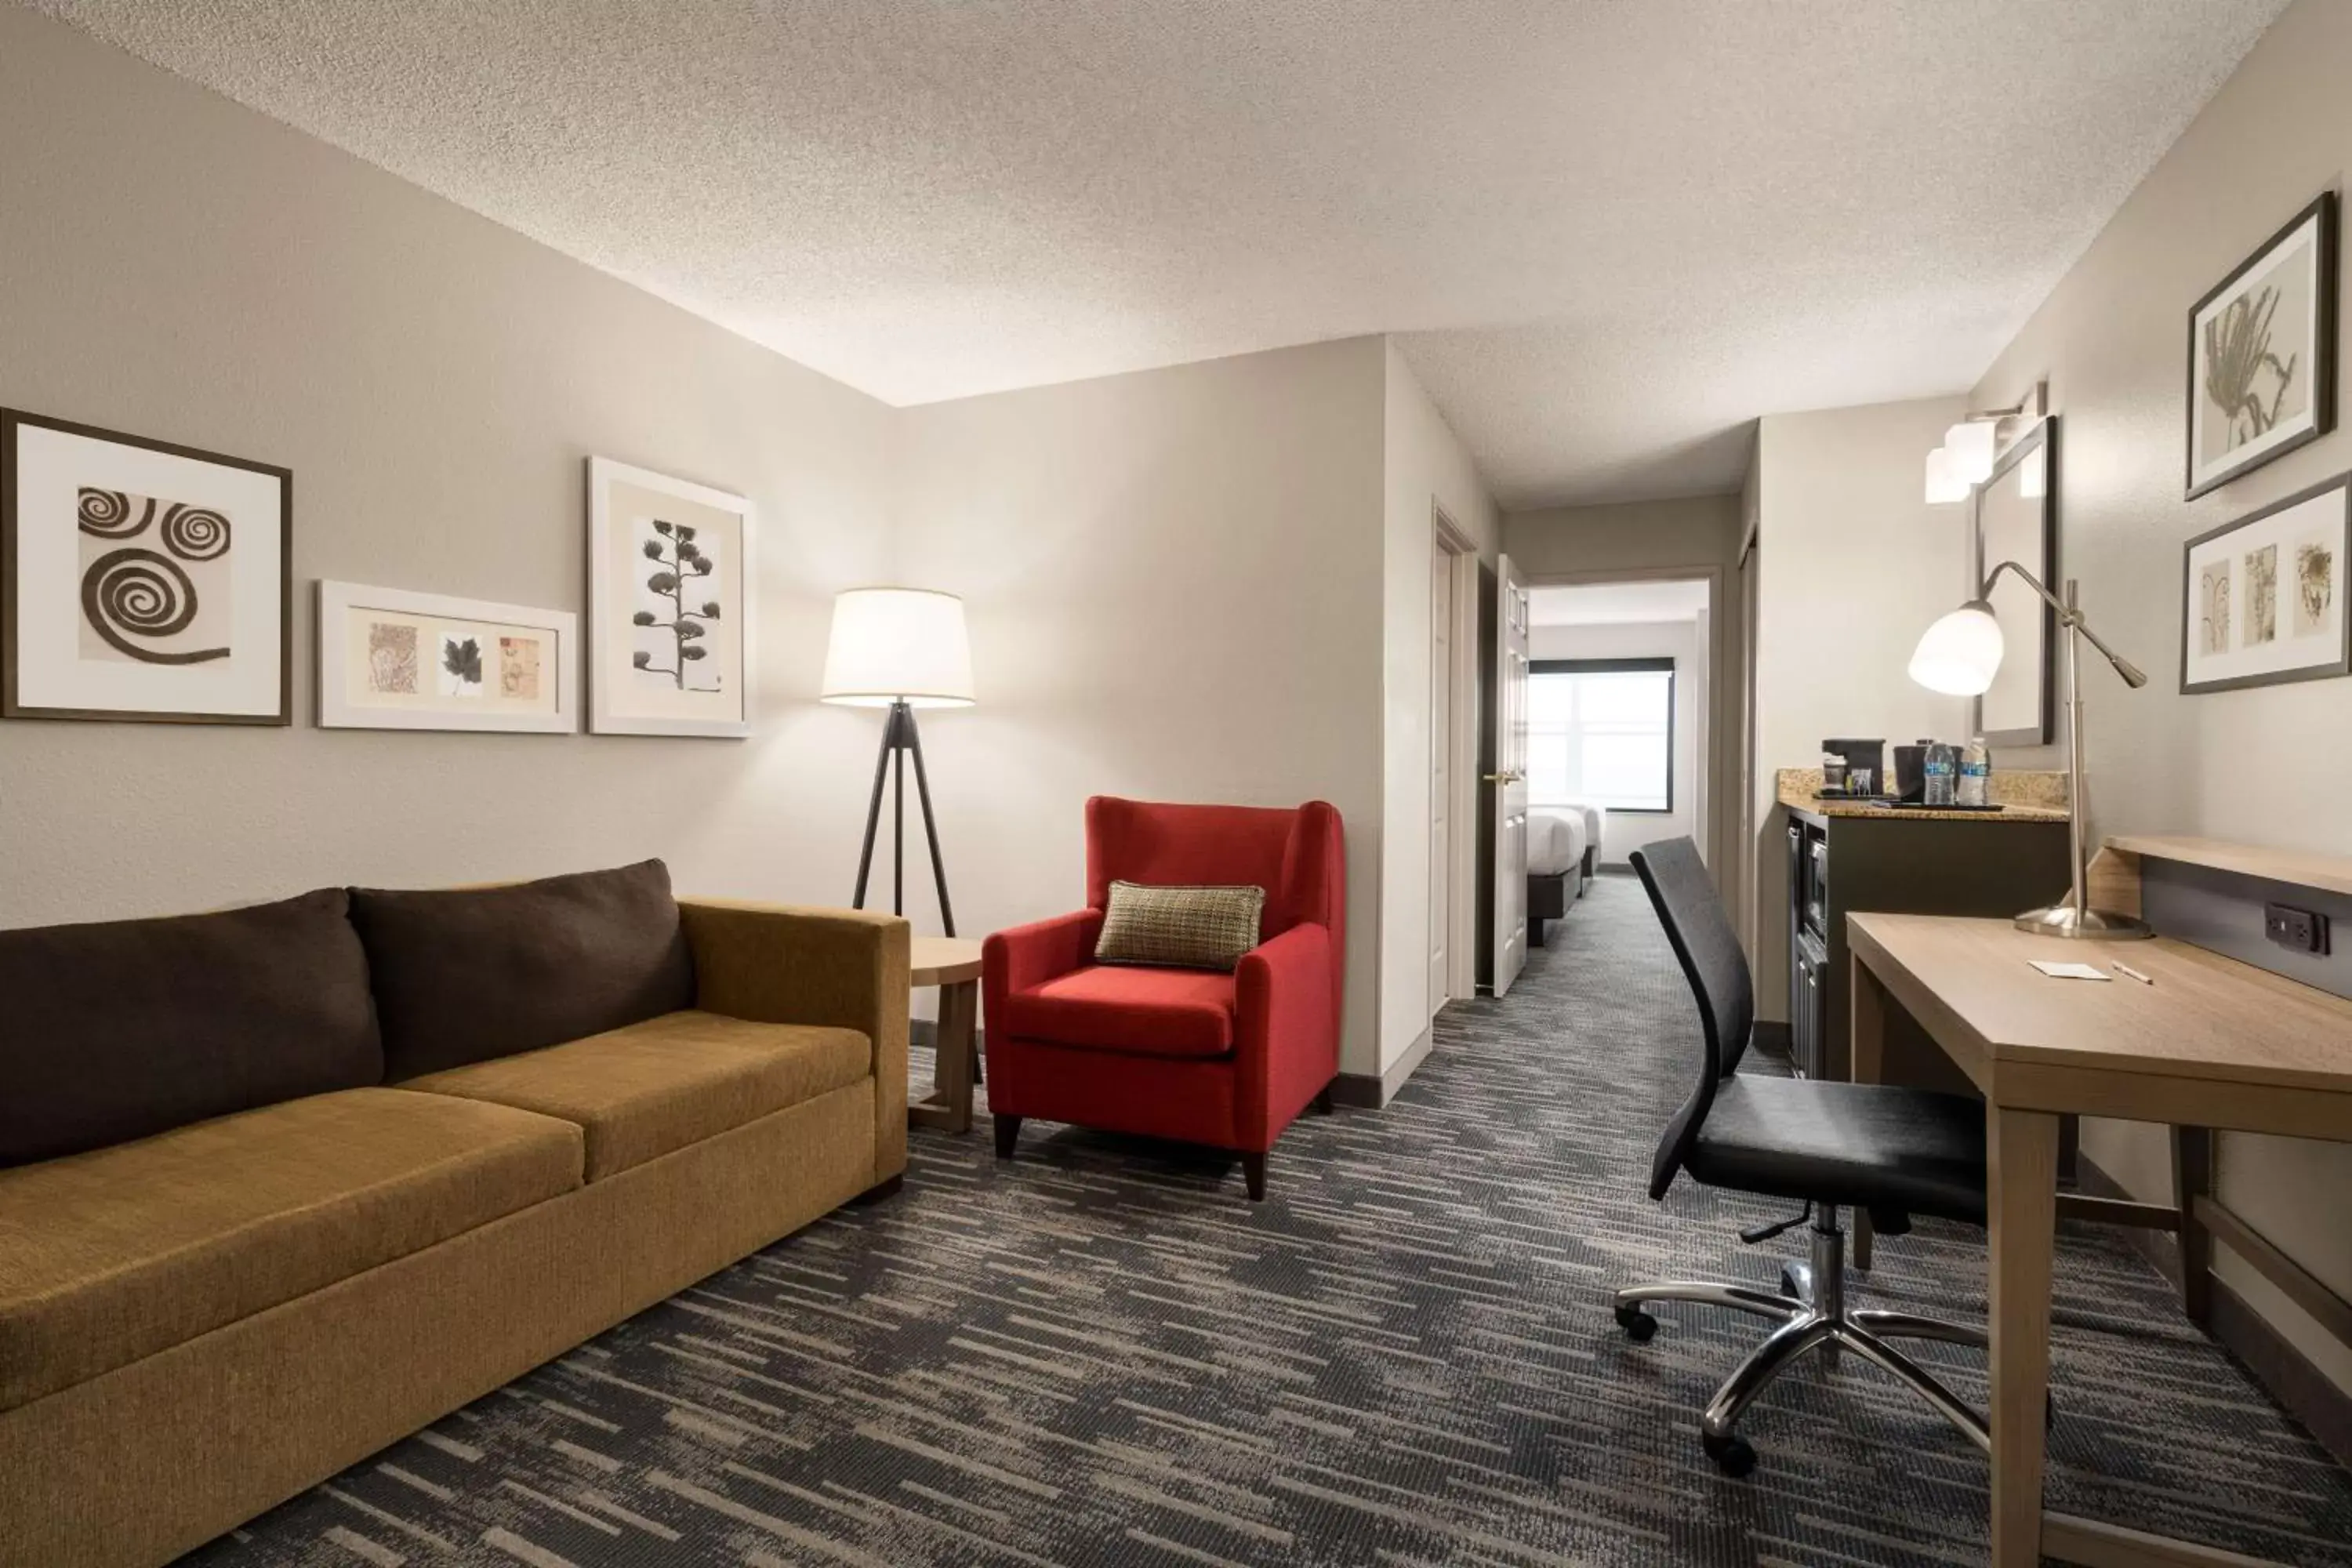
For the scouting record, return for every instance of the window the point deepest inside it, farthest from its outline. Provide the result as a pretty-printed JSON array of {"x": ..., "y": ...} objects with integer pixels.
[{"x": 1601, "y": 731}]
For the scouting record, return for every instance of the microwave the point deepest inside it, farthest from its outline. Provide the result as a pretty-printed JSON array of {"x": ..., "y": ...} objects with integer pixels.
[{"x": 1815, "y": 870}]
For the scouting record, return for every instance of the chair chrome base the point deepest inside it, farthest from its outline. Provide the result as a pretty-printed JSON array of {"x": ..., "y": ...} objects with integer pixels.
[{"x": 1819, "y": 1321}]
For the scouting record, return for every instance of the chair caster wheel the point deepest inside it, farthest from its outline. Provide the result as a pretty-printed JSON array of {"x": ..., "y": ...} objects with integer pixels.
[
  {"x": 1638, "y": 1325},
  {"x": 1731, "y": 1454}
]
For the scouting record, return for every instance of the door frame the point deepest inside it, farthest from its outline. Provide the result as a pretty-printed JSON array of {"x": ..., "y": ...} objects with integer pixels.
[
  {"x": 1462, "y": 761},
  {"x": 1722, "y": 669}
]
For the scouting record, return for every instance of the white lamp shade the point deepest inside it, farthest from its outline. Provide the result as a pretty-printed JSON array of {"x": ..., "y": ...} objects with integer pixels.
[
  {"x": 1969, "y": 448},
  {"x": 892, "y": 645},
  {"x": 1944, "y": 482},
  {"x": 1959, "y": 653}
]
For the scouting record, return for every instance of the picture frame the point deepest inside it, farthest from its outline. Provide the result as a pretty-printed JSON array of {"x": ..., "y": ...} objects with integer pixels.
[
  {"x": 2261, "y": 354},
  {"x": 671, "y": 611},
  {"x": 392, "y": 659},
  {"x": 2014, "y": 517},
  {"x": 142, "y": 581},
  {"x": 2263, "y": 597}
]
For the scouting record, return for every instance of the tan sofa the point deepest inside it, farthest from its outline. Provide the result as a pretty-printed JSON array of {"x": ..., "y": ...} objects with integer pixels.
[{"x": 197, "y": 1324}]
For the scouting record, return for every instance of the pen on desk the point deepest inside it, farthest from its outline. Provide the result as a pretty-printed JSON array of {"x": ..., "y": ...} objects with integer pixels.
[{"x": 2135, "y": 975}]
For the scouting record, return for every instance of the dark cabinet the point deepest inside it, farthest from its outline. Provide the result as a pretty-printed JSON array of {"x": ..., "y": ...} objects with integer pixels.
[{"x": 1906, "y": 864}]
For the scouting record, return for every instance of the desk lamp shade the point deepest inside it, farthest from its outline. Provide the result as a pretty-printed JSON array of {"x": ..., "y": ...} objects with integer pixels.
[
  {"x": 1960, "y": 653},
  {"x": 898, "y": 645}
]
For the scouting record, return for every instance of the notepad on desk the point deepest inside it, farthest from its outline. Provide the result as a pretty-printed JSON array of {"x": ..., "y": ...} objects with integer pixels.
[{"x": 2060, "y": 971}]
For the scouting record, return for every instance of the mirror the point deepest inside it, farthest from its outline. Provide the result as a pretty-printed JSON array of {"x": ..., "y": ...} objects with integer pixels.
[{"x": 2017, "y": 520}]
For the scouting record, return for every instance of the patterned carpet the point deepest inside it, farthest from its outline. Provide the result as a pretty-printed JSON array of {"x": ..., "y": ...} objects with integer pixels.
[{"x": 1103, "y": 1354}]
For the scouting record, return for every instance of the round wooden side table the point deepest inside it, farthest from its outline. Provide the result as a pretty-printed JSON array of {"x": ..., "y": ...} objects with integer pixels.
[{"x": 952, "y": 964}]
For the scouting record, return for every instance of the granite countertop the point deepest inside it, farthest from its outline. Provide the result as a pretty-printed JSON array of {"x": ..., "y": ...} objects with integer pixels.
[{"x": 2025, "y": 797}]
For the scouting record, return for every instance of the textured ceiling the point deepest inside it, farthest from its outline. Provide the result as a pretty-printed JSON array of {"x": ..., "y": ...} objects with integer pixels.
[{"x": 1607, "y": 233}]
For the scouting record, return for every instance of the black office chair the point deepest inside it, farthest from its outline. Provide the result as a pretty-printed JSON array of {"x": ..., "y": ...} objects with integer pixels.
[{"x": 1890, "y": 1151}]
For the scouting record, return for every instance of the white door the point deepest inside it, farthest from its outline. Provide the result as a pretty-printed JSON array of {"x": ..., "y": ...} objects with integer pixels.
[
  {"x": 1440, "y": 771},
  {"x": 1511, "y": 775}
]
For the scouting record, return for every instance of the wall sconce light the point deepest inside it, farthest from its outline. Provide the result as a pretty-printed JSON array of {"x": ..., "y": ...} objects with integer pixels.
[{"x": 1965, "y": 460}]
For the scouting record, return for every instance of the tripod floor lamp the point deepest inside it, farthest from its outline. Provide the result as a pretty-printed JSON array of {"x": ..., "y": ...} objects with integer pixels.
[
  {"x": 899, "y": 648},
  {"x": 1959, "y": 655}
]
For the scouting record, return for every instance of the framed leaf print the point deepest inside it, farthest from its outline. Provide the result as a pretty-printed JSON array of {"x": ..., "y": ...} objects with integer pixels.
[
  {"x": 2261, "y": 354},
  {"x": 140, "y": 580},
  {"x": 670, "y": 606},
  {"x": 391, "y": 659}
]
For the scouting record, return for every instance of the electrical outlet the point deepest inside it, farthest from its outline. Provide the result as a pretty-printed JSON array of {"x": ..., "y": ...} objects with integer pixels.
[{"x": 2297, "y": 930}]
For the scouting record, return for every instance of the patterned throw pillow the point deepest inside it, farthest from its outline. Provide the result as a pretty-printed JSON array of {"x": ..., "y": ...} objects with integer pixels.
[{"x": 1181, "y": 928}]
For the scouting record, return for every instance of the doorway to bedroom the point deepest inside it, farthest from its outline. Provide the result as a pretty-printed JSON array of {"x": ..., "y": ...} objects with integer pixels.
[{"x": 1621, "y": 685}]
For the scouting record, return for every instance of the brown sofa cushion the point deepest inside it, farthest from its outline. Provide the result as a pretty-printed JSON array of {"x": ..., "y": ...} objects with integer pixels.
[
  {"x": 118, "y": 1030},
  {"x": 468, "y": 974},
  {"x": 654, "y": 1088},
  {"x": 117, "y": 1254}
]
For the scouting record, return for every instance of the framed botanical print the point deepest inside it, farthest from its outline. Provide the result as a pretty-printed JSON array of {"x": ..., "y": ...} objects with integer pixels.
[
  {"x": 140, "y": 580},
  {"x": 2261, "y": 354},
  {"x": 2263, "y": 597},
  {"x": 670, "y": 606},
  {"x": 391, "y": 659}
]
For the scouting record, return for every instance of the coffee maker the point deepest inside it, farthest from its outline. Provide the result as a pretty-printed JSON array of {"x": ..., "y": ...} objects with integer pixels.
[{"x": 1864, "y": 764}]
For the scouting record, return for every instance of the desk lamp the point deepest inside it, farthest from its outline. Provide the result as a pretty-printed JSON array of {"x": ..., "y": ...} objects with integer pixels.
[{"x": 1958, "y": 655}]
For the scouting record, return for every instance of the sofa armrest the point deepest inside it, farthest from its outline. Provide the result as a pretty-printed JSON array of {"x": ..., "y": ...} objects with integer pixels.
[
  {"x": 774, "y": 963},
  {"x": 1285, "y": 1037}
]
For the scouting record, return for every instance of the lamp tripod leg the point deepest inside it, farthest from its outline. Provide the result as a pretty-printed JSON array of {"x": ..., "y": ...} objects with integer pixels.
[
  {"x": 897, "y": 826},
  {"x": 931, "y": 825},
  {"x": 873, "y": 820}
]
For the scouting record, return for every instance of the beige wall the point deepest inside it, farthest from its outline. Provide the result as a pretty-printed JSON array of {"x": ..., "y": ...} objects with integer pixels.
[
  {"x": 2265, "y": 765},
  {"x": 1684, "y": 642},
  {"x": 1174, "y": 580},
  {"x": 177, "y": 267},
  {"x": 1565, "y": 543},
  {"x": 1856, "y": 566},
  {"x": 1423, "y": 466}
]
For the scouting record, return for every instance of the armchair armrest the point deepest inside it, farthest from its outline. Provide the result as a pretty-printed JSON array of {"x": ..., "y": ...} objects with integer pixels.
[
  {"x": 847, "y": 969},
  {"x": 1287, "y": 1037},
  {"x": 1022, "y": 956}
]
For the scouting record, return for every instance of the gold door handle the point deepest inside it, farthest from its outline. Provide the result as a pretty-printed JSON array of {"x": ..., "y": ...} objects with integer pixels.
[{"x": 1505, "y": 777}]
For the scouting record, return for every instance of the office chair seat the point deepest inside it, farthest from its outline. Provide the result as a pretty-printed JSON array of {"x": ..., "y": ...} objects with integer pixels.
[{"x": 1852, "y": 1145}]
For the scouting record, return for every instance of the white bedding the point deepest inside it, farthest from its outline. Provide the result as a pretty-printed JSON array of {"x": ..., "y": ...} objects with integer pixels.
[
  {"x": 1596, "y": 822},
  {"x": 1556, "y": 841}
]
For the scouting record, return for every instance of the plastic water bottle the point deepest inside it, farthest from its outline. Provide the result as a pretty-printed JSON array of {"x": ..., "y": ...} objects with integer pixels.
[
  {"x": 1976, "y": 774},
  {"x": 1940, "y": 764}
]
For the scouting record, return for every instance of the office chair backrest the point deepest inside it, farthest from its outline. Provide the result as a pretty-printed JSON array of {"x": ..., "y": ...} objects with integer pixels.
[{"x": 1708, "y": 950}]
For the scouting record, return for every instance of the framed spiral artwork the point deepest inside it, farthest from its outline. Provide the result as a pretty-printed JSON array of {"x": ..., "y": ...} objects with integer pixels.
[{"x": 139, "y": 580}]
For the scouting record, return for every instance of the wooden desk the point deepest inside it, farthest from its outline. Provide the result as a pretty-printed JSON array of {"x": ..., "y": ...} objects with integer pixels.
[{"x": 2213, "y": 1043}]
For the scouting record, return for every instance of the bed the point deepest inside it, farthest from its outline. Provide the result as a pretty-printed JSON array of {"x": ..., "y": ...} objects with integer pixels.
[
  {"x": 1596, "y": 829},
  {"x": 1557, "y": 857}
]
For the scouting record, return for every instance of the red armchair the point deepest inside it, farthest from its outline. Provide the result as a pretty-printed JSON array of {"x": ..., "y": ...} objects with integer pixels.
[{"x": 1228, "y": 1060}]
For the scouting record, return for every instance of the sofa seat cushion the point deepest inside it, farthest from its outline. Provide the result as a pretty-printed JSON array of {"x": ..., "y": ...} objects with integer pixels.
[
  {"x": 654, "y": 1088},
  {"x": 1142, "y": 1012},
  {"x": 114, "y": 1255}
]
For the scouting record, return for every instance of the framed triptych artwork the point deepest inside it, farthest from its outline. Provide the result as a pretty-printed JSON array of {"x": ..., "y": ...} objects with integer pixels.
[
  {"x": 140, "y": 580},
  {"x": 2263, "y": 597},
  {"x": 669, "y": 601},
  {"x": 391, "y": 659}
]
